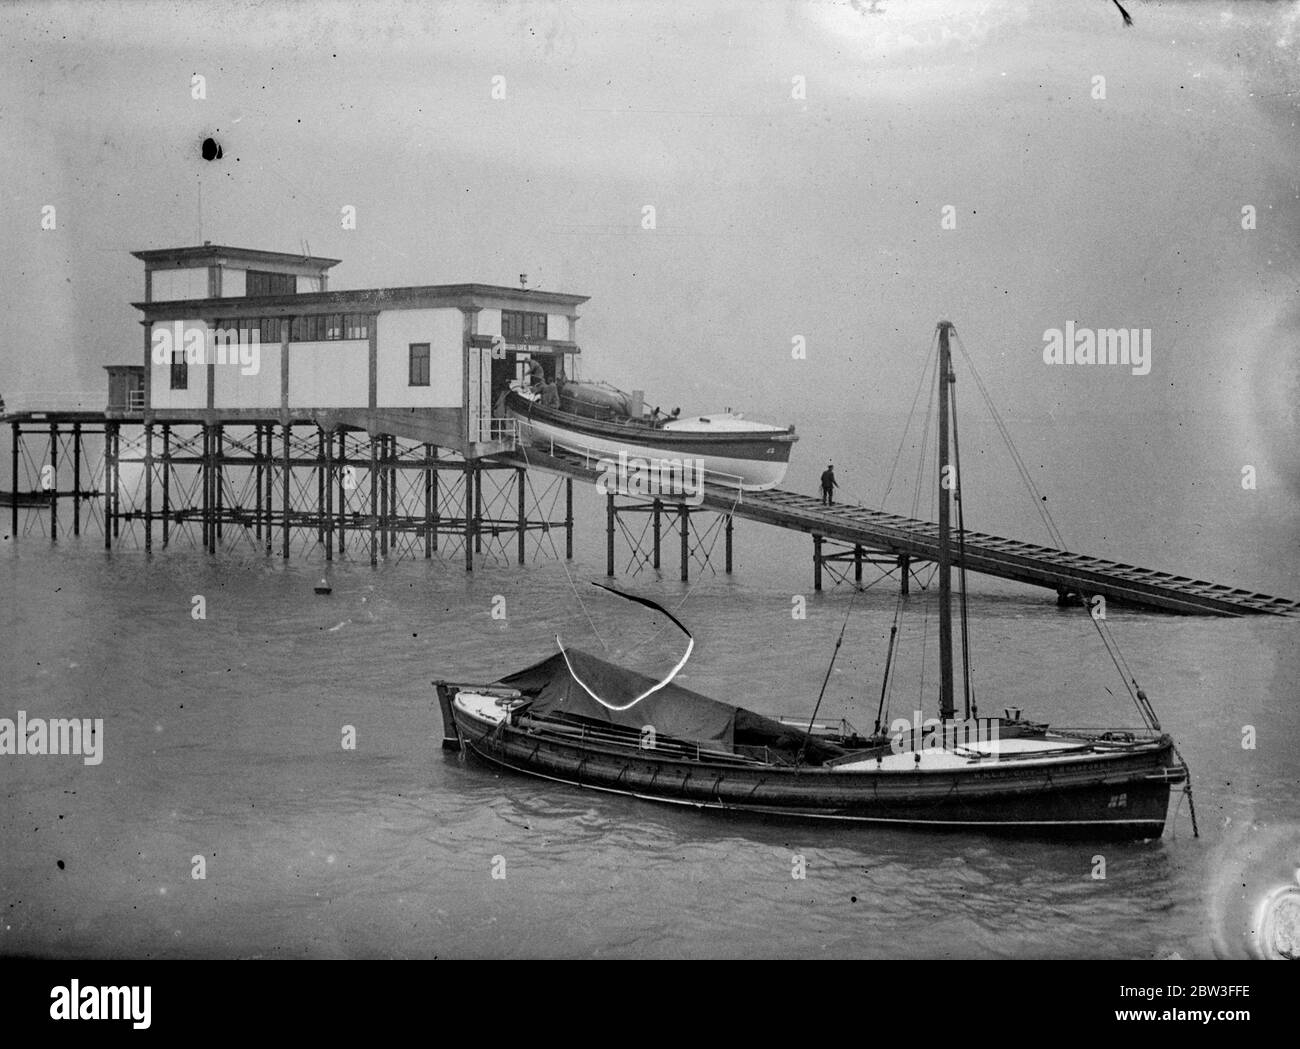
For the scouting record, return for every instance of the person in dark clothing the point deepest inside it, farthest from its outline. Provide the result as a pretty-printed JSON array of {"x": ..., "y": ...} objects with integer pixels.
[
  {"x": 829, "y": 484},
  {"x": 536, "y": 376}
]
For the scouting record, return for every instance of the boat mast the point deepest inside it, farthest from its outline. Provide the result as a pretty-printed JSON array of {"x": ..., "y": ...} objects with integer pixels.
[{"x": 946, "y": 710}]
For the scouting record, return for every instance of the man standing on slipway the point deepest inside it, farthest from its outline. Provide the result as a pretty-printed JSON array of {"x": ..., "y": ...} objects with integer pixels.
[{"x": 829, "y": 484}]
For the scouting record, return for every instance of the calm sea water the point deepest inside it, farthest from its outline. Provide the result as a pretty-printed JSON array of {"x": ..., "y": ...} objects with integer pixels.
[{"x": 222, "y": 740}]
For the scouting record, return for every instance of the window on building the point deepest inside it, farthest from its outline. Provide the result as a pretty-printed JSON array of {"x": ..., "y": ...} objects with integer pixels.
[
  {"x": 180, "y": 371},
  {"x": 269, "y": 330},
  {"x": 518, "y": 326},
  {"x": 310, "y": 328},
  {"x": 419, "y": 364},
  {"x": 323, "y": 327},
  {"x": 259, "y": 282}
]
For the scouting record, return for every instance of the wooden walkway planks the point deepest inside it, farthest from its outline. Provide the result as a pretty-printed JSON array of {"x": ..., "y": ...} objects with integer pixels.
[{"x": 1057, "y": 570}]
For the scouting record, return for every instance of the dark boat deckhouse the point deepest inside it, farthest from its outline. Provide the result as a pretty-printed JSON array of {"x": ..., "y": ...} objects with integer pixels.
[{"x": 580, "y": 720}]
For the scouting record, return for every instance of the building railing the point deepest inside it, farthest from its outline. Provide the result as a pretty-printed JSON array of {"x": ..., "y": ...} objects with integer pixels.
[{"x": 505, "y": 430}]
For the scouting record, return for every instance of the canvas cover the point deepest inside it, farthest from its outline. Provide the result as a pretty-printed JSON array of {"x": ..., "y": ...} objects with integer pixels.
[{"x": 672, "y": 710}]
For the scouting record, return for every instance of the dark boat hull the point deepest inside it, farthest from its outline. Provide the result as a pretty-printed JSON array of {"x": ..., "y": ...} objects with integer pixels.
[{"x": 1124, "y": 794}]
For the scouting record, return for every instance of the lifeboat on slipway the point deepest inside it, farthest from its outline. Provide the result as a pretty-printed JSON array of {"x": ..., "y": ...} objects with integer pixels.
[{"x": 598, "y": 421}]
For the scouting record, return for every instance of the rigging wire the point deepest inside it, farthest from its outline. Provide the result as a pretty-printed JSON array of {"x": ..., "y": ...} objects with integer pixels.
[
  {"x": 911, "y": 413},
  {"x": 826, "y": 680},
  {"x": 967, "y": 687},
  {"x": 1040, "y": 503},
  {"x": 896, "y": 638},
  {"x": 528, "y": 474},
  {"x": 931, "y": 410}
]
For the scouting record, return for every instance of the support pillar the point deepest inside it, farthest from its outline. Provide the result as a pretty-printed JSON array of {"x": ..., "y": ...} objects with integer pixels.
[
  {"x": 286, "y": 493},
  {"x": 428, "y": 501},
  {"x": 657, "y": 524},
  {"x": 470, "y": 503},
  {"x": 609, "y": 534},
  {"x": 117, "y": 480},
  {"x": 110, "y": 481},
  {"x": 905, "y": 564},
  {"x": 322, "y": 486},
  {"x": 568, "y": 518},
  {"x": 433, "y": 498},
  {"x": 343, "y": 488},
  {"x": 166, "y": 485},
  {"x": 394, "y": 456},
  {"x": 857, "y": 563},
  {"x": 383, "y": 495},
  {"x": 327, "y": 487},
  {"x": 13, "y": 507},
  {"x": 76, "y": 479},
  {"x": 270, "y": 485},
  {"x": 478, "y": 508},
  {"x": 523, "y": 512},
  {"x": 148, "y": 487},
  {"x": 817, "y": 562},
  {"x": 684, "y": 514},
  {"x": 54, "y": 482},
  {"x": 206, "y": 506},
  {"x": 374, "y": 504},
  {"x": 257, "y": 481},
  {"x": 728, "y": 541},
  {"x": 218, "y": 489}
]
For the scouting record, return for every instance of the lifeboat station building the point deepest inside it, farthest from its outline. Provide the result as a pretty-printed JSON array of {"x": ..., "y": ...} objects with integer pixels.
[{"x": 237, "y": 335}]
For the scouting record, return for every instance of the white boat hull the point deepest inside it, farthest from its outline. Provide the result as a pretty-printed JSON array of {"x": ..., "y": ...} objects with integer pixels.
[{"x": 750, "y": 475}]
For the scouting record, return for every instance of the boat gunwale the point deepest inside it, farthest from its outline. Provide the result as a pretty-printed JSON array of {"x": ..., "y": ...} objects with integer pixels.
[
  {"x": 620, "y": 430},
  {"x": 740, "y": 762}
]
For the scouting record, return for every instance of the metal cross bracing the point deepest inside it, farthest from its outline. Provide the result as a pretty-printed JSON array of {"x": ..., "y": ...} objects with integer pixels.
[
  {"x": 674, "y": 523},
  {"x": 293, "y": 490},
  {"x": 341, "y": 492},
  {"x": 828, "y": 556},
  {"x": 54, "y": 475}
]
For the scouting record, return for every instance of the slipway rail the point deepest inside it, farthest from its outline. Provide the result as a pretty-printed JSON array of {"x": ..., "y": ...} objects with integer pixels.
[{"x": 1068, "y": 574}]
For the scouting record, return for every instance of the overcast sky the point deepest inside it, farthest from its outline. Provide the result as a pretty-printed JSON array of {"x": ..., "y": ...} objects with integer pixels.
[{"x": 776, "y": 215}]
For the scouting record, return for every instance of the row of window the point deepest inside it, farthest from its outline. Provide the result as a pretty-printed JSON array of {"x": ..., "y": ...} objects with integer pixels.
[
  {"x": 259, "y": 282},
  {"x": 418, "y": 375},
  {"x": 418, "y": 361},
  {"x": 516, "y": 326},
  {"x": 316, "y": 327},
  {"x": 519, "y": 326}
]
